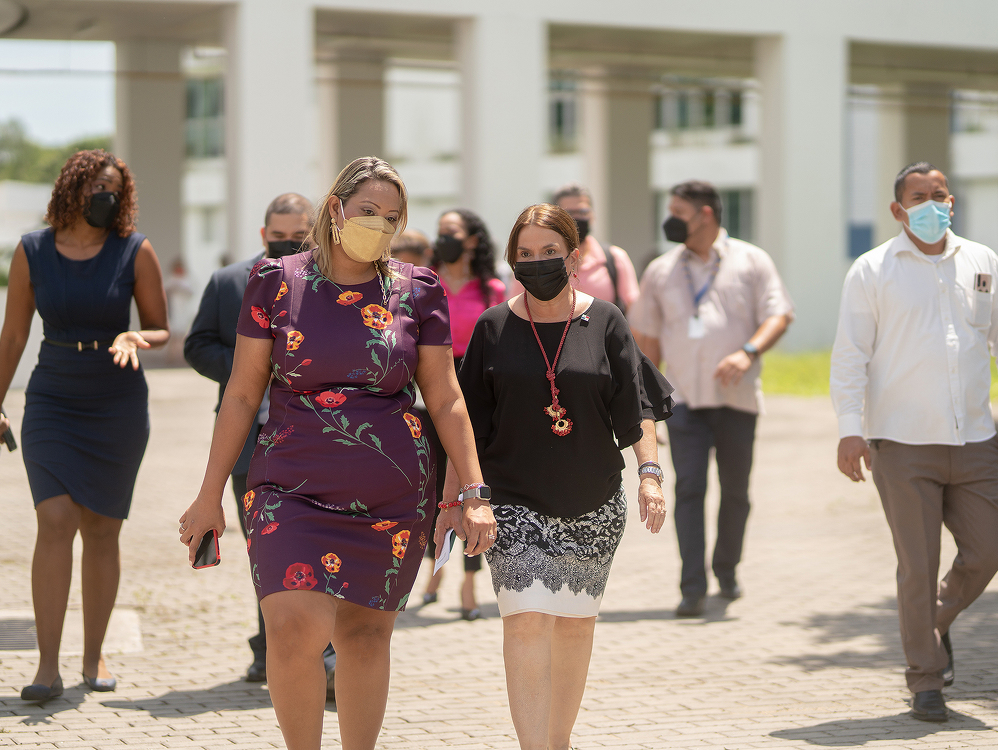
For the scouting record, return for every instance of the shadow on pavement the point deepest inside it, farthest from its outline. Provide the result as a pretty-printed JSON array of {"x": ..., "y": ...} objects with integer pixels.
[
  {"x": 715, "y": 610},
  {"x": 858, "y": 732},
  {"x": 414, "y": 618},
  {"x": 974, "y": 635},
  {"x": 231, "y": 696},
  {"x": 35, "y": 714}
]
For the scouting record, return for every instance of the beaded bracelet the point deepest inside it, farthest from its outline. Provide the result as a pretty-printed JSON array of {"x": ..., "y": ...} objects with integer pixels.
[{"x": 444, "y": 506}]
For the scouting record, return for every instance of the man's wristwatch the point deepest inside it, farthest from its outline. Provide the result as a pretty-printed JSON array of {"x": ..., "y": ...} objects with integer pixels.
[
  {"x": 482, "y": 493},
  {"x": 650, "y": 467},
  {"x": 751, "y": 349}
]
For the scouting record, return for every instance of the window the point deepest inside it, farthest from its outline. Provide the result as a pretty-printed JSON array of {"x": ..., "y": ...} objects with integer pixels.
[
  {"x": 736, "y": 213},
  {"x": 205, "y": 126},
  {"x": 860, "y": 239},
  {"x": 562, "y": 115}
]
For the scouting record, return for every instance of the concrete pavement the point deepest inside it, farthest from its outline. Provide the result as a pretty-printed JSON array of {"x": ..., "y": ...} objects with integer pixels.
[{"x": 809, "y": 657}]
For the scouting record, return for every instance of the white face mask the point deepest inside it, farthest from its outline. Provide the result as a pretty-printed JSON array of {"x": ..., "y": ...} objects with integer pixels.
[{"x": 364, "y": 239}]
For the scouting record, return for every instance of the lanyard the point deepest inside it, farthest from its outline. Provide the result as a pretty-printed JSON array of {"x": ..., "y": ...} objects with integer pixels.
[{"x": 698, "y": 296}]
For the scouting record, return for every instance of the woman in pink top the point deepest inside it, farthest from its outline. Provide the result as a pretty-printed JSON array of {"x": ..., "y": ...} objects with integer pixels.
[{"x": 464, "y": 258}]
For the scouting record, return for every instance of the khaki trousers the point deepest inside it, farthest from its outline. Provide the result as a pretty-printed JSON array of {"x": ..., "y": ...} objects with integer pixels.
[{"x": 923, "y": 487}]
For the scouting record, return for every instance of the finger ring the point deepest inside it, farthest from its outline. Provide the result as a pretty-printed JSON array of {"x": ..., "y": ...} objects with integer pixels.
[{"x": 490, "y": 536}]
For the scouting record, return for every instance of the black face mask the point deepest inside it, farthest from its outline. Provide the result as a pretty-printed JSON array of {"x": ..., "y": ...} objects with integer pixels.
[
  {"x": 103, "y": 210},
  {"x": 280, "y": 248},
  {"x": 676, "y": 230},
  {"x": 448, "y": 248},
  {"x": 543, "y": 279},
  {"x": 583, "y": 226}
]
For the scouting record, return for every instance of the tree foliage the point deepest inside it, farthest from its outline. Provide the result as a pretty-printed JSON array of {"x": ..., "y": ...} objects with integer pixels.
[{"x": 27, "y": 161}]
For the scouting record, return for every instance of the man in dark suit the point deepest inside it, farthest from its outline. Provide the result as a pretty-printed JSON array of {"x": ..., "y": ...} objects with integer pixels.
[{"x": 210, "y": 346}]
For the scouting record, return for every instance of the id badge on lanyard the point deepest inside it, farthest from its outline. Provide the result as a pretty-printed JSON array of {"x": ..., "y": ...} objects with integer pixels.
[{"x": 695, "y": 329}]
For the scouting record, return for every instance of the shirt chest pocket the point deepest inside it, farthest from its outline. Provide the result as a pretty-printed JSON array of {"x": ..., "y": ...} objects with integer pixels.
[{"x": 979, "y": 300}]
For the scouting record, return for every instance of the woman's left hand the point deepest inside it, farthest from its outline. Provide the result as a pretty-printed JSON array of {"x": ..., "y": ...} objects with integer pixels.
[
  {"x": 651, "y": 503},
  {"x": 479, "y": 526},
  {"x": 125, "y": 348},
  {"x": 449, "y": 518}
]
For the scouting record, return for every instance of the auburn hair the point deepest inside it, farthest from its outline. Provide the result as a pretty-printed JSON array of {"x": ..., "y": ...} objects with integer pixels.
[
  {"x": 547, "y": 216},
  {"x": 71, "y": 199}
]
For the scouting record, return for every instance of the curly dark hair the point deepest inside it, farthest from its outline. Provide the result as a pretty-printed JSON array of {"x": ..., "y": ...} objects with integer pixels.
[
  {"x": 70, "y": 199},
  {"x": 483, "y": 262}
]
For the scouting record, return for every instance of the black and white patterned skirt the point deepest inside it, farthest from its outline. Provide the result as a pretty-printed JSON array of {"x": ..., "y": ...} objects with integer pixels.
[{"x": 554, "y": 565}]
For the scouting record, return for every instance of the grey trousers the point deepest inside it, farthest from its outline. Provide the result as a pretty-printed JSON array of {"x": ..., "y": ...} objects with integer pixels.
[{"x": 923, "y": 487}]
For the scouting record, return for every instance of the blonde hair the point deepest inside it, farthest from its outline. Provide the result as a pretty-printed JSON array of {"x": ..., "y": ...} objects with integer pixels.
[{"x": 347, "y": 183}]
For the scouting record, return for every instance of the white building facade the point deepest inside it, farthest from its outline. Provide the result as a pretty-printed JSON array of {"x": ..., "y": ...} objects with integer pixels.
[{"x": 491, "y": 105}]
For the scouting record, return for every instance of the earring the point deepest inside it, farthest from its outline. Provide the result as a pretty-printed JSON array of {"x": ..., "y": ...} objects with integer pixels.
[{"x": 335, "y": 232}]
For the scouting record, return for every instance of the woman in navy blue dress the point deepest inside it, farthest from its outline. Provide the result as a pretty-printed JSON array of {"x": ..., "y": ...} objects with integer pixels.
[{"x": 86, "y": 418}]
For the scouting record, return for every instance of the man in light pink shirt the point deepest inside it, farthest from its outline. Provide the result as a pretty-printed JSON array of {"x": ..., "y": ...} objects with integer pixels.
[
  {"x": 605, "y": 271},
  {"x": 708, "y": 308}
]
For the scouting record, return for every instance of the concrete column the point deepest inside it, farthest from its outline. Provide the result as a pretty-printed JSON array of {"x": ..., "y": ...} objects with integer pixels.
[
  {"x": 149, "y": 136},
  {"x": 270, "y": 113},
  {"x": 914, "y": 125},
  {"x": 801, "y": 209},
  {"x": 630, "y": 119},
  {"x": 927, "y": 124},
  {"x": 351, "y": 113},
  {"x": 504, "y": 79},
  {"x": 616, "y": 139},
  {"x": 595, "y": 144}
]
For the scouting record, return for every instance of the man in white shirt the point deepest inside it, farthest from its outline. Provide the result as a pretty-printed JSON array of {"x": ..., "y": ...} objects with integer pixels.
[
  {"x": 910, "y": 382},
  {"x": 708, "y": 308}
]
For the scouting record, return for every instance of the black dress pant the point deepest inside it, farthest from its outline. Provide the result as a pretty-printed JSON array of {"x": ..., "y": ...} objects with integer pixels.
[{"x": 692, "y": 435}]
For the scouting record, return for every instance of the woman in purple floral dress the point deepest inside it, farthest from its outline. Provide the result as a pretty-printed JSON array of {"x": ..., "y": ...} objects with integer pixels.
[{"x": 339, "y": 506}]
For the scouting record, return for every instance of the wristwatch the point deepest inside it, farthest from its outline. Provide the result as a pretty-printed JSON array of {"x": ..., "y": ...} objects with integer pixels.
[
  {"x": 482, "y": 493},
  {"x": 650, "y": 467},
  {"x": 751, "y": 349}
]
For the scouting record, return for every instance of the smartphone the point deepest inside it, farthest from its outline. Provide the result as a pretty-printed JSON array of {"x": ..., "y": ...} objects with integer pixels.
[
  {"x": 8, "y": 438},
  {"x": 207, "y": 555}
]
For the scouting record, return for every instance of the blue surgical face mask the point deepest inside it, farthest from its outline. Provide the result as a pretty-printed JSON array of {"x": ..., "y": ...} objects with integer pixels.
[{"x": 929, "y": 221}]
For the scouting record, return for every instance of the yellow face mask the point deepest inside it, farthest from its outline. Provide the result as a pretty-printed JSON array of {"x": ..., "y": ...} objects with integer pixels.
[{"x": 364, "y": 238}]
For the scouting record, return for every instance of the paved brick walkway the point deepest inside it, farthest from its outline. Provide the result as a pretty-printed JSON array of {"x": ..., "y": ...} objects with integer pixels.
[{"x": 809, "y": 657}]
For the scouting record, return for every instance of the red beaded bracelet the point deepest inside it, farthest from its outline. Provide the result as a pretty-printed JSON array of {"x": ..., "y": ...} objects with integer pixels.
[{"x": 444, "y": 506}]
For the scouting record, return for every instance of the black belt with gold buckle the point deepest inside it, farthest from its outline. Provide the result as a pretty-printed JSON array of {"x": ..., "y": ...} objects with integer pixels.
[{"x": 79, "y": 345}]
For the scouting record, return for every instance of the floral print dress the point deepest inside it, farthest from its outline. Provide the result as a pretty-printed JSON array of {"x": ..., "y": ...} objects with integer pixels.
[{"x": 341, "y": 482}]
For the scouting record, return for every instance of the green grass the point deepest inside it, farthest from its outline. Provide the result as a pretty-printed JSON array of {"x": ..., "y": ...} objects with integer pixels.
[
  {"x": 806, "y": 373},
  {"x": 796, "y": 373}
]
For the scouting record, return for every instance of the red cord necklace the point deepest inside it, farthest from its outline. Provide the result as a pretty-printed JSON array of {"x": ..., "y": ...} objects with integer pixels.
[{"x": 562, "y": 426}]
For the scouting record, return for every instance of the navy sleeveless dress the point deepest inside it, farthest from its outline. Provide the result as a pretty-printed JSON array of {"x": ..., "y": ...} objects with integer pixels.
[{"x": 86, "y": 420}]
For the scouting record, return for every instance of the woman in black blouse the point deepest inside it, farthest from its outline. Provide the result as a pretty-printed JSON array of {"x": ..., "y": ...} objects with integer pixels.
[{"x": 556, "y": 387}]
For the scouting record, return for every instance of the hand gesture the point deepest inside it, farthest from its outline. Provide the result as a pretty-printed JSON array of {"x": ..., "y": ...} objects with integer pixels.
[
  {"x": 479, "y": 526},
  {"x": 203, "y": 516},
  {"x": 125, "y": 348},
  {"x": 730, "y": 369},
  {"x": 651, "y": 504},
  {"x": 851, "y": 450},
  {"x": 449, "y": 518}
]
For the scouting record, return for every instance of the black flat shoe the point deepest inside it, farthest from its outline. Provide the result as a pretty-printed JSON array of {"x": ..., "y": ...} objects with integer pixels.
[
  {"x": 928, "y": 705},
  {"x": 101, "y": 684},
  {"x": 257, "y": 671},
  {"x": 731, "y": 591},
  {"x": 471, "y": 614},
  {"x": 948, "y": 674},
  {"x": 690, "y": 606},
  {"x": 40, "y": 693}
]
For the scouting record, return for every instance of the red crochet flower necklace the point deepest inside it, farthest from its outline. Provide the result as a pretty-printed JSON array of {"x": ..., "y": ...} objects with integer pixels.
[{"x": 562, "y": 426}]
